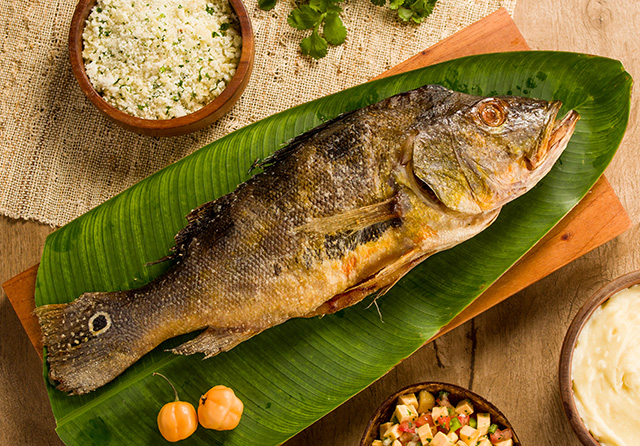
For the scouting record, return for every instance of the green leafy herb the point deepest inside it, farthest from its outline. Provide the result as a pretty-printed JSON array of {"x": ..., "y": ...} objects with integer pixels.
[
  {"x": 304, "y": 17},
  {"x": 325, "y": 15},
  {"x": 314, "y": 45},
  {"x": 334, "y": 30},
  {"x": 266, "y": 5},
  {"x": 209, "y": 9},
  {"x": 316, "y": 15}
]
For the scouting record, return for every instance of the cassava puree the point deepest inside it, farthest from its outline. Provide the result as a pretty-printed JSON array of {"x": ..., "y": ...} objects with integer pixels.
[
  {"x": 606, "y": 370},
  {"x": 161, "y": 59}
]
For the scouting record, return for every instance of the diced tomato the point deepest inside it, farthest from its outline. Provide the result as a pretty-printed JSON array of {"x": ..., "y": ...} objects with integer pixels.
[
  {"x": 464, "y": 419},
  {"x": 443, "y": 421},
  {"x": 500, "y": 435},
  {"x": 425, "y": 418},
  {"x": 407, "y": 426}
]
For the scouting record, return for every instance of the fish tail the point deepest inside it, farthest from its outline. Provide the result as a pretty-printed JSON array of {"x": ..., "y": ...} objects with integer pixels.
[{"x": 87, "y": 345}]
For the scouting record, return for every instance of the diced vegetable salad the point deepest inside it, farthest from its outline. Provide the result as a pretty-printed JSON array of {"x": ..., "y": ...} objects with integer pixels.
[{"x": 435, "y": 421}]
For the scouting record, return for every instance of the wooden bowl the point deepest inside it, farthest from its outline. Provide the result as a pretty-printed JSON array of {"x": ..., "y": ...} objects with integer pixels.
[
  {"x": 456, "y": 393},
  {"x": 164, "y": 127},
  {"x": 568, "y": 347}
]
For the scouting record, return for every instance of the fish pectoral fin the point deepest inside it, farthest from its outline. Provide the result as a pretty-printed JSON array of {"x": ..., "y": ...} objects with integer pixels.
[
  {"x": 381, "y": 282},
  {"x": 215, "y": 340},
  {"x": 356, "y": 219},
  {"x": 388, "y": 276}
]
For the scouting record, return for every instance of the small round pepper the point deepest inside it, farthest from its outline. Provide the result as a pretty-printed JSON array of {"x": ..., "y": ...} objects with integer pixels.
[
  {"x": 220, "y": 409},
  {"x": 176, "y": 420}
]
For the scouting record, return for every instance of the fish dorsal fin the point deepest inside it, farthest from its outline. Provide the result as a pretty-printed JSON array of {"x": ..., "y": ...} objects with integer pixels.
[
  {"x": 292, "y": 145},
  {"x": 200, "y": 211},
  {"x": 196, "y": 218},
  {"x": 356, "y": 219}
]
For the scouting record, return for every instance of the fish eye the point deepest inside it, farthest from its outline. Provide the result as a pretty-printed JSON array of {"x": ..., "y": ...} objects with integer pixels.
[
  {"x": 99, "y": 323},
  {"x": 492, "y": 112}
]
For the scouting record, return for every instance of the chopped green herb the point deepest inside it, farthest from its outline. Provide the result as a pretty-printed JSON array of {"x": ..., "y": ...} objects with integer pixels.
[{"x": 209, "y": 9}]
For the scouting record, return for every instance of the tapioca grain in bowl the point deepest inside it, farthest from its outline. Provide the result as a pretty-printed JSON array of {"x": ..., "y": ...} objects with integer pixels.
[{"x": 161, "y": 59}]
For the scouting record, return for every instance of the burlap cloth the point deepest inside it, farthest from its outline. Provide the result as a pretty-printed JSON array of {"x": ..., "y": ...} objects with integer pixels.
[{"x": 59, "y": 157}]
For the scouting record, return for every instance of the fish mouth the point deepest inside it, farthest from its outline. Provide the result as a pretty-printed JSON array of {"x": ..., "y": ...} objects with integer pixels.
[{"x": 554, "y": 138}]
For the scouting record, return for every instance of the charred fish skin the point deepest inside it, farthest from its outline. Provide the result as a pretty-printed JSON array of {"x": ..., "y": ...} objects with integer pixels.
[{"x": 342, "y": 211}]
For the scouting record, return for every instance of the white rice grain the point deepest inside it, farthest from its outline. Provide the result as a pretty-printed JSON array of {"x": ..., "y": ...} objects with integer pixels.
[{"x": 161, "y": 59}]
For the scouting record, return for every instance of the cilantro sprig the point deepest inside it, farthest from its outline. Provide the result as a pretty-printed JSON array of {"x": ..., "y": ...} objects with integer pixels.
[{"x": 323, "y": 18}]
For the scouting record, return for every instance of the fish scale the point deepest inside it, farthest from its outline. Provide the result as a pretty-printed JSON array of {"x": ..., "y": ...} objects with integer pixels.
[{"x": 343, "y": 211}]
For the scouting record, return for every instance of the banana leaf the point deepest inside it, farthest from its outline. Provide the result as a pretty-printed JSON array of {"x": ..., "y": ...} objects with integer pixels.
[{"x": 293, "y": 374}]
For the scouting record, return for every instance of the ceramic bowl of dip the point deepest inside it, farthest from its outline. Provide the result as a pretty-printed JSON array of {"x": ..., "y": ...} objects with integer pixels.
[
  {"x": 193, "y": 121},
  {"x": 456, "y": 394},
  {"x": 597, "y": 350}
]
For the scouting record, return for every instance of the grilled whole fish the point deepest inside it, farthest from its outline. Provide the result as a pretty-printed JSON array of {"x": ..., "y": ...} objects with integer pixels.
[{"x": 342, "y": 211}]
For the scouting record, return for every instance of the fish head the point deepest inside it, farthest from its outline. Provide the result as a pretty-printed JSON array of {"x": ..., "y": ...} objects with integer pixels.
[{"x": 484, "y": 152}]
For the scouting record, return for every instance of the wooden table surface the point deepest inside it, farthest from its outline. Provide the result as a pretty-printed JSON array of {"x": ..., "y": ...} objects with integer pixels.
[{"x": 509, "y": 354}]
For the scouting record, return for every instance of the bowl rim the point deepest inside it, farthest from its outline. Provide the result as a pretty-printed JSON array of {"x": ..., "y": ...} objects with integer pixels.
[
  {"x": 602, "y": 295},
  {"x": 384, "y": 409},
  {"x": 164, "y": 127}
]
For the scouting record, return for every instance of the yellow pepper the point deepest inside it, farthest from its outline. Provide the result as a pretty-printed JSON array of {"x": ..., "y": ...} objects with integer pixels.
[
  {"x": 176, "y": 420},
  {"x": 220, "y": 409}
]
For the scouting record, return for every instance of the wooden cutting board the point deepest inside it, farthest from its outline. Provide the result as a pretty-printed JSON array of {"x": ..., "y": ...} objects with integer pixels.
[{"x": 598, "y": 218}]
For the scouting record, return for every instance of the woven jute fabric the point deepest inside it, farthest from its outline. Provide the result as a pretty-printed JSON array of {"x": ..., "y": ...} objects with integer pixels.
[{"x": 59, "y": 157}]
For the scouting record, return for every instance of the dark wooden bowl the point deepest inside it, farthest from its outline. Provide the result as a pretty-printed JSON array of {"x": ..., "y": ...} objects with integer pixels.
[
  {"x": 456, "y": 393},
  {"x": 165, "y": 127},
  {"x": 568, "y": 347}
]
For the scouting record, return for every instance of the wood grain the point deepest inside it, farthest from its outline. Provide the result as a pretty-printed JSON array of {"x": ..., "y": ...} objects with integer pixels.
[
  {"x": 598, "y": 218},
  {"x": 26, "y": 414},
  {"x": 569, "y": 345},
  {"x": 495, "y": 33},
  {"x": 508, "y": 354},
  {"x": 21, "y": 293}
]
